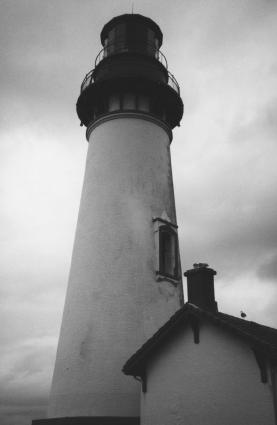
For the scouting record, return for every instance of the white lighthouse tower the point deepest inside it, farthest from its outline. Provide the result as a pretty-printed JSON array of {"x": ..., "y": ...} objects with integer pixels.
[{"x": 125, "y": 279}]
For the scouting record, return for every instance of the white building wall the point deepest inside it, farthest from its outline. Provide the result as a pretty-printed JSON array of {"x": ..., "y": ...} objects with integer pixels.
[
  {"x": 216, "y": 382},
  {"x": 114, "y": 302}
]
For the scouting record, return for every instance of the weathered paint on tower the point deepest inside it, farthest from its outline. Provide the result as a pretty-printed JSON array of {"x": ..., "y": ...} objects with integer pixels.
[{"x": 125, "y": 278}]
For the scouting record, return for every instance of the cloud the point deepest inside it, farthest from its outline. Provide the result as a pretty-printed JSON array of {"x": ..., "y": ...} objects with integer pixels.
[
  {"x": 246, "y": 292},
  {"x": 231, "y": 186},
  {"x": 21, "y": 414},
  {"x": 224, "y": 154},
  {"x": 268, "y": 270},
  {"x": 26, "y": 371}
]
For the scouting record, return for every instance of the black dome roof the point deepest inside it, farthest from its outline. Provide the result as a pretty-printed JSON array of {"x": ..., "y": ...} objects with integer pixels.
[{"x": 131, "y": 18}]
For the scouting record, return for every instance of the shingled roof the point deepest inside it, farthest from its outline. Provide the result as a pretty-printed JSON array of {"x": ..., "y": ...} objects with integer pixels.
[{"x": 262, "y": 339}]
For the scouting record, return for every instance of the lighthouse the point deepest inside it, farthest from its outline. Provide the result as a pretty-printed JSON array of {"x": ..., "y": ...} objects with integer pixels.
[{"x": 125, "y": 278}]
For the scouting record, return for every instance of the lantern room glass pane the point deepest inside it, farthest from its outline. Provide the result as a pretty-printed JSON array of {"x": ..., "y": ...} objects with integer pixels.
[
  {"x": 151, "y": 42},
  {"x": 137, "y": 38},
  {"x": 120, "y": 38},
  {"x": 156, "y": 43},
  {"x": 105, "y": 47},
  {"x": 117, "y": 39}
]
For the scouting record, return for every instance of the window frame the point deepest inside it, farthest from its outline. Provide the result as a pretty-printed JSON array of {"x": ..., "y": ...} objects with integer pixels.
[
  {"x": 162, "y": 225},
  {"x": 173, "y": 251}
]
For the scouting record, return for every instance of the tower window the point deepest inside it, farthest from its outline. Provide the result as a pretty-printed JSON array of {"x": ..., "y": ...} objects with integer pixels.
[
  {"x": 168, "y": 252},
  {"x": 143, "y": 103},
  {"x": 129, "y": 101},
  {"x": 166, "y": 249},
  {"x": 114, "y": 102}
]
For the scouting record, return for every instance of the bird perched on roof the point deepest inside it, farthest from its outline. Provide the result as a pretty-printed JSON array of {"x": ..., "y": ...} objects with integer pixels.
[{"x": 242, "y": 314}]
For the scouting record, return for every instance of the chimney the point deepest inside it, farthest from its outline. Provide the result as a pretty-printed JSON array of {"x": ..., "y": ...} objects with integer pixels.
[{"x": 200, "y": 284}]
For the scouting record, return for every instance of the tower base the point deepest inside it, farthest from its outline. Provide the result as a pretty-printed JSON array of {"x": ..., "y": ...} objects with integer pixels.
[{"x": 89, "y": 420}]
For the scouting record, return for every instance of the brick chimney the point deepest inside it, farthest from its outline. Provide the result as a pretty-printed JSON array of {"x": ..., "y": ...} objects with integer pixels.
[{"x": 200, "y": 285}]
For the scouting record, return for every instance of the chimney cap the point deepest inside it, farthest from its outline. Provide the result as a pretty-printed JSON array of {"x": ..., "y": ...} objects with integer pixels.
[
  {"x": 200, "y": 286},
  {"x": 200, "y": 265},
  {"x": 200, "y": 268}
]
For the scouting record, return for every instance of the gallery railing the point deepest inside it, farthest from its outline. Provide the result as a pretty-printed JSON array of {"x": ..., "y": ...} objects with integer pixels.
[{"x": 89, "y": 79}]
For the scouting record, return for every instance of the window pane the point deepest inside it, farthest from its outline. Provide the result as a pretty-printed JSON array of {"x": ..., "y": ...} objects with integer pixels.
[
  {"x": 111, "y": 45},
  {"x": 143, "y": 103},
  {"x": 120, "y": 38},
  {"x": 129, "y": 101},
  {"x": 168, "y": 252},
  {"x": 120, "y": 33},
  {"x": 105, "y": 47},
  {"x": 150, "y": 42},
  {"x": 137, "y": 37},
  {"x": 114, "y": 103}
]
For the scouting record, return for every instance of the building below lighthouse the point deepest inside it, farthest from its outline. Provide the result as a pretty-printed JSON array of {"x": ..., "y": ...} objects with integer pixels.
[
  {"x": 191, "y": 364},
  {"x": 205, "y": 367}
]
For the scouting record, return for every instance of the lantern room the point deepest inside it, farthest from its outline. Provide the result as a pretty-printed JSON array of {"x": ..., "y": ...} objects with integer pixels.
[
  {"x": 131, "y": 33},
  {"x": 130, "y": 75}
]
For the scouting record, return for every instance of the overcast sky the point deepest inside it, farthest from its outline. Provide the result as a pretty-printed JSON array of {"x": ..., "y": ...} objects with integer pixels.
[{"x": 223, "y": 54}]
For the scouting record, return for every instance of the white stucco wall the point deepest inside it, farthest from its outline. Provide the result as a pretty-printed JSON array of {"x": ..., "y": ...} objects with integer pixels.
[
  {"x": 216, "y": 382},
  {"x": 114, "y": 302}
]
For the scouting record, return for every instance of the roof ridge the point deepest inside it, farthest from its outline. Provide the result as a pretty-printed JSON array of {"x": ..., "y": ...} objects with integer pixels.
[
  {"x": 232, "y": 323},
  {"x": 249, "y": 321},
  {"x": 222, "y": 317},
  {"x": 259, "y": 339}
]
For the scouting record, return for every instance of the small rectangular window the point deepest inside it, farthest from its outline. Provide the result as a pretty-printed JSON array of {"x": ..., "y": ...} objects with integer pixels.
[
  {"x": 114, "y": 102},
  {"x": 168, "y": 252},
  {"x": 166, "y": 249},
  {"x": 129, "y": 101},
  {"x": 143, "y": 103}
]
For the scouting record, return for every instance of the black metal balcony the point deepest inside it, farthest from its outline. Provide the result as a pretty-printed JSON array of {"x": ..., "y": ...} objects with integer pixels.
[
  {"x": 89, "y": 79},
  {"x": 136, "y": 69},
  {"x": 130, "y": 74},
  {"x": 121, "y": 48}
]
